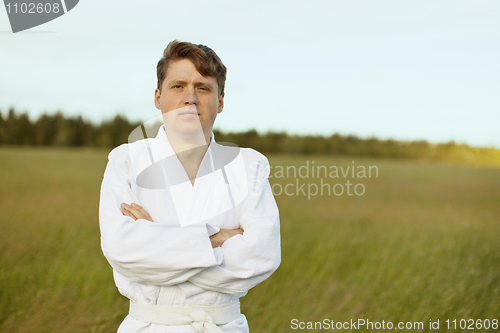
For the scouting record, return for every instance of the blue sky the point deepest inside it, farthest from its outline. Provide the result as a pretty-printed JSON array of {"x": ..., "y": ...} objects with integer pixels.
[{"x": 406, "y": 70}]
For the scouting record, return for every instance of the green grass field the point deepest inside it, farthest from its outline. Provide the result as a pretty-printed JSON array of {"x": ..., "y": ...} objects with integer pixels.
[{"x": 422, "y": 243}]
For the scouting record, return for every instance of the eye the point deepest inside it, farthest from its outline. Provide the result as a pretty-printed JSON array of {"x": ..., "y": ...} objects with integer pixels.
[
  {"x": 205, "y": 88},
  {"x": 177, "y": 86}
]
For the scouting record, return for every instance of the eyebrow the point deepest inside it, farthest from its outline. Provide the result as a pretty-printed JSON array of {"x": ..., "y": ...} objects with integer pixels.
[{"x": 196, "y": 84}]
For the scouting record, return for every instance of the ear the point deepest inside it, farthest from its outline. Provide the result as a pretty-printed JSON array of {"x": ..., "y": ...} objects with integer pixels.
[
  {"x": 157, "y": 99},
  {"x": 221, "y": 103}
]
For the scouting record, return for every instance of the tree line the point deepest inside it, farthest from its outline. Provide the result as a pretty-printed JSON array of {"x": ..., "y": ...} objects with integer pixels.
[{"x": 60, "y": 130}]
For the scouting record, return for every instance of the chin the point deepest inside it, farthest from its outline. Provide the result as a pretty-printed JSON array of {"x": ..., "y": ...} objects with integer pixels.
[{"x": 191, "y": 129}]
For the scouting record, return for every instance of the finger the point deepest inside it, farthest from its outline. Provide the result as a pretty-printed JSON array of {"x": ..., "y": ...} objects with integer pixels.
[
  {"x": 143, "y": 211},
  {"x": 131, "y": 210},
  {"x": 138, "y": 211},
  {"x": 134, "y": 211},
  {"x": 127, "y": 213}
]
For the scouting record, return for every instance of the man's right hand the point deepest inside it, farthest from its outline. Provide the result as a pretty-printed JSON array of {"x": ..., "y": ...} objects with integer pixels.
[{"x": 223, "y": 235}]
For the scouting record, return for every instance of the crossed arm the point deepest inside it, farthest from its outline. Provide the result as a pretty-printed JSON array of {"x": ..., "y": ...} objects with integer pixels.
[
  {"x": 136, "y": 212},
  {"x": 231, "y": 261}
]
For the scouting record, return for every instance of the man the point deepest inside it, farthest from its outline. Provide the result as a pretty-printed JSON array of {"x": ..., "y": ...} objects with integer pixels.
[{"x": 188, "y": 225}]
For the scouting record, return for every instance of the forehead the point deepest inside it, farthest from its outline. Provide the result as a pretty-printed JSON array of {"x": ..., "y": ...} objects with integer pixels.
[{"x": 185, "y": 70}]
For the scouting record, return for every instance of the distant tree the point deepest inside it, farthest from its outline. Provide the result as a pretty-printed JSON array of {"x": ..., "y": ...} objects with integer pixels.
[
  {"x": 315, "y": 145},
  {"x": 419, "y": 149},
  {"x": 115, "y": 132},
  {"x": 275, "y": 141},
  {"x": 45, "y": 130},
  {"x": 26, "y": 130},
  {"x": 18, "y": 129},
  {"x": 80, "y": 132},
  {"x": 2, "y": 129},
  {"x": 62, "y": 130},
  {"x": 11, "y": 132}
]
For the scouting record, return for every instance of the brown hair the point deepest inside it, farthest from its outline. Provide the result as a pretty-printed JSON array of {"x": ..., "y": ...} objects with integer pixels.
[{"x": 205, "y": 60}]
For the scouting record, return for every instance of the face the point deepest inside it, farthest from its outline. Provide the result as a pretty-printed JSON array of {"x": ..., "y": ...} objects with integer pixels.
[{"x": 188, "y": 101}]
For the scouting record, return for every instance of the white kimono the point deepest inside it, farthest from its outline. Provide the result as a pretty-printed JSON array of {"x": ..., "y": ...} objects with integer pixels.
[{"x": 171, "y": 261}]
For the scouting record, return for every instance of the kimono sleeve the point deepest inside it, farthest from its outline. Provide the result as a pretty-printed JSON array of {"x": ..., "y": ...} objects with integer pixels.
[
  {"x": 252, "y": 257},
  {"x": 143, "y": 251}
]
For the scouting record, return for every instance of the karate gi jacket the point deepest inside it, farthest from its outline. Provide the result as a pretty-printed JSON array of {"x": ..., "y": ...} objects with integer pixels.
[{"x": 171, "y": 261}]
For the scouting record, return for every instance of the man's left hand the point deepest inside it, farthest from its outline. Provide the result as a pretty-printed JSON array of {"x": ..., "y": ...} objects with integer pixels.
[{"x": 135, "y": 211}]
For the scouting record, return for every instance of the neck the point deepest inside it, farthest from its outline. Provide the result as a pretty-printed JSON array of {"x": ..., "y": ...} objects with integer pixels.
[{"x": 190, "y": 150}]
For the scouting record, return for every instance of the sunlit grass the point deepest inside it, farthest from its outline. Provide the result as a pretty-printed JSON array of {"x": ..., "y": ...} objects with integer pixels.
[{"x": 422, "y": 243}]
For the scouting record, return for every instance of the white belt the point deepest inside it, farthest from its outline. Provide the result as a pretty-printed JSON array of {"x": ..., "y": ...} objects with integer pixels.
[{"x": 203, "y": 319}]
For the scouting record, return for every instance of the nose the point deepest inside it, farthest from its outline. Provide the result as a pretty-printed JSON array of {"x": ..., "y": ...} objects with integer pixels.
[{"x": 190, "y": 96}]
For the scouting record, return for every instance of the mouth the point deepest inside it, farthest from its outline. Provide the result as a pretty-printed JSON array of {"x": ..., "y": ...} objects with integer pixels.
[{"x": 189, "y": 111}]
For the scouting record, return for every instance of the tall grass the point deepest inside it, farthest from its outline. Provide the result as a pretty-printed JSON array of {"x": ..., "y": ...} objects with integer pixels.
[{"x": 421, "y": 243}]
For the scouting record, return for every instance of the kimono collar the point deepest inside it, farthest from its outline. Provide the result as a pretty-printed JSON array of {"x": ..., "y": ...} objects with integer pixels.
[{"x": 163, "y": 148}]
